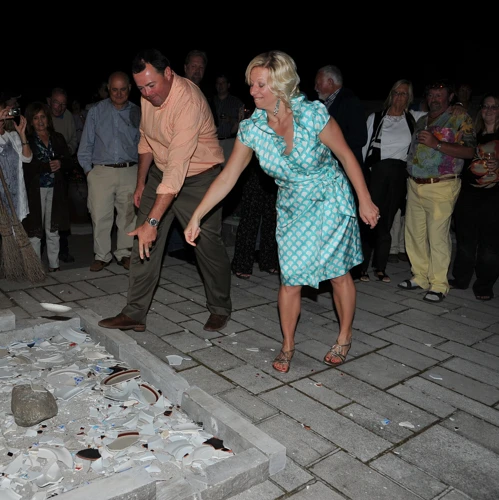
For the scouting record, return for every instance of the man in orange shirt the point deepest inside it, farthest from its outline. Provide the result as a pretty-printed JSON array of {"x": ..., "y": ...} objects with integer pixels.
[{"x": 178, "y": 133}]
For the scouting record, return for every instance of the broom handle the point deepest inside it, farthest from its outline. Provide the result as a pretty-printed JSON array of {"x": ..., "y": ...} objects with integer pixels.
[{"x": 9, "y": 198}]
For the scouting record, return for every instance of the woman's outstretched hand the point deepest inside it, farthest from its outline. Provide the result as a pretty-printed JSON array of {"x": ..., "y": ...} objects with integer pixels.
[{"x": 191, "y": 232}]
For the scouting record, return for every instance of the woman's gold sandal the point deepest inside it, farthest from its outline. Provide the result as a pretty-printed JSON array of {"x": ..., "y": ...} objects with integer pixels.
[
  {"x": 284, "y": 359},
  {"x": 335, "y": 353}
]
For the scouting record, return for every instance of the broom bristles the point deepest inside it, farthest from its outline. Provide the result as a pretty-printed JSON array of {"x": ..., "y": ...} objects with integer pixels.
[
  {"x": 11, "y": 267},
  {"x": 18, "y": 246}
]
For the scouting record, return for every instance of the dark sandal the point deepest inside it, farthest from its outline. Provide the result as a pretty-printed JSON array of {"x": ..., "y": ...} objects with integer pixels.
[
  {"x": 336, "y": 353},
  {"x": 243, "y": 276},
  {"x": 284, "y": 359},
  {"x": 364, "y": 276},
  {"x": 434, "y": 297},
  {"x": 409, "y": 285},
  {"x": 382, "y": 276},
  {"x": 484, "y": 298}
]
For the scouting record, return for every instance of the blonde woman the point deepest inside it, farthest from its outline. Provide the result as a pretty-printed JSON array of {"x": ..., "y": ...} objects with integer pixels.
[{"x": 317, "y": 229}]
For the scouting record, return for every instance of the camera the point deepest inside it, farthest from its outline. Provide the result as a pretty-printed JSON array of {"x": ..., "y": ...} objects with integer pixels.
[{"x": 15, "y": 112}]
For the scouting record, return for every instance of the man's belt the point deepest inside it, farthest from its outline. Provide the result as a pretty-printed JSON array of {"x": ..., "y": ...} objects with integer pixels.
[
  {"x": 121, "y": 165},
  {"x": 233, "y": 136},
  {"x": 434, "y": 180}
]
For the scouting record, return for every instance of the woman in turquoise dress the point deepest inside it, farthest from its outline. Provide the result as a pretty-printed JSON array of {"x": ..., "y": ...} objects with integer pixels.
[{"x": 317, "y": 229}]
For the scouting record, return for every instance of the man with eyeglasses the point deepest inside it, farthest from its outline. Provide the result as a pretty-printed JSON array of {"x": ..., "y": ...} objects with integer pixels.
[
  {"x": 441, "y": 142},
  {"x": 64, "y": 124}
]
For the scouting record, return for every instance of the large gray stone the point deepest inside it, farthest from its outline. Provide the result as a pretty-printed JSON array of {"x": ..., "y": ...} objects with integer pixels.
[{"x": 30, "y": 407}]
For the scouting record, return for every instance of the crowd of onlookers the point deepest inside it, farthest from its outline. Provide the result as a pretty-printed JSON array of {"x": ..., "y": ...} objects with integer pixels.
[{"x": 431, "y": 168}]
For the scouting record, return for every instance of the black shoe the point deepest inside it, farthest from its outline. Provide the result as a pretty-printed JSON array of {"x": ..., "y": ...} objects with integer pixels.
[{"x": 66, "y": 257}]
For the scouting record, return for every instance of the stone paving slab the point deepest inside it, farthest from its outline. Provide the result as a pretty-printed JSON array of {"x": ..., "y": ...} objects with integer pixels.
[
  {"x": 356, "y": 480},
  {"x": 474, "y": 389},
  {"x": 474, "y": 429},
  {"x": 409, "y": 476},
  {"x": 302, "y": 445},
  {"x": 378, "y": 370},
  {"x": 341, "y": 431},
  {"x": 456, "y": 460}
]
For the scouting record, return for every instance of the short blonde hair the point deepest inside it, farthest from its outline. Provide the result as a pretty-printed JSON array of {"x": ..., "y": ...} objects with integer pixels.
[{"x": 283, "y": 77}]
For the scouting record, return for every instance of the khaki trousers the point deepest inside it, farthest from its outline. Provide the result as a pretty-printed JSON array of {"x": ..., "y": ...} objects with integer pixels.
[
  {"x": 211, "y": 255},
  {"x": 427, "y": 231},
  {"x": 109, "y": 189}
]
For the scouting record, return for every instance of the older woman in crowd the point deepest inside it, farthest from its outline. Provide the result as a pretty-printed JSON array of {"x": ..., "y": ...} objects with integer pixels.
[{"x": 44, "y": 180}]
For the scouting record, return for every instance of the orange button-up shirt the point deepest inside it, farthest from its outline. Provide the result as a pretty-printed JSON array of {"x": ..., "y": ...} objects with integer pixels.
[{"x": 181, "y": 135}]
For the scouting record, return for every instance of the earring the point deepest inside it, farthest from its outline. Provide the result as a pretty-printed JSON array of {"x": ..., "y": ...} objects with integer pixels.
[{"x": 276, "y": 109}]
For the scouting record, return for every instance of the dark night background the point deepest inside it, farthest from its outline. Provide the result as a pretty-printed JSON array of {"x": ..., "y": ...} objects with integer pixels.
[{"x": 369, "y": 68}]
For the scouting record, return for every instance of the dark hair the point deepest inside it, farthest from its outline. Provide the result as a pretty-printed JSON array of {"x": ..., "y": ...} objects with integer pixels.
[
  {"x": 150, "y": 56},
  {"x": 59, "y": 90},
  {"x": 194, "y": 53},
  {"x": 223, "y": 75},
  {"x": 32, "y": 109},
  {"x": 479, "y": 122}
]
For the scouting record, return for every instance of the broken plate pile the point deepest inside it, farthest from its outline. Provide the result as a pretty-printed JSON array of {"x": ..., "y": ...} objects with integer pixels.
[{"x": 108, "y": 420}]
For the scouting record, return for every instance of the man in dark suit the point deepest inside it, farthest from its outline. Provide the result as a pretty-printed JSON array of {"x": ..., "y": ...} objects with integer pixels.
[{"x": 346, "y": 108}]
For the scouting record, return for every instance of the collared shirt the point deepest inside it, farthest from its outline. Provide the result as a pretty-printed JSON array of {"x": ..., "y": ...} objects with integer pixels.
[
  {"x": 110, "y": 135},
  {"x": 425, "y": 162},
  {"x": 65, "y": 125},
  {"x": 231, "y": 108},
  {"x": 331, "y": 98},
  {"x": 181, "y": 135}
]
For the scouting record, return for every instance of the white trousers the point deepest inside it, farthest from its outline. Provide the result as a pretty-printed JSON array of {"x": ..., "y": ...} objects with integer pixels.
[{"x": 51, "y": 238}]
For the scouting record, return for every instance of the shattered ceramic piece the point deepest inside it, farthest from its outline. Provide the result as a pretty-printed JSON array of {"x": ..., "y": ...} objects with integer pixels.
[
  {"x": 121, "y": 376},
  {"x": 58, "y": 308}
]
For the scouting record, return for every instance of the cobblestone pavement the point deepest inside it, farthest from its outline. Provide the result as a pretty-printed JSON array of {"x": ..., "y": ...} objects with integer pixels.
[{"x": 412, "y": 414}]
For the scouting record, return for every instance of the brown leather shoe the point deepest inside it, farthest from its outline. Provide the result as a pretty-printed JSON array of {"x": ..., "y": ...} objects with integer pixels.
[
  {"x": 122, "y": 322},
  {"x": 124, "y": 262},
  {"x": 98, "y": 265},
  {"x": 216, "y": 322}
]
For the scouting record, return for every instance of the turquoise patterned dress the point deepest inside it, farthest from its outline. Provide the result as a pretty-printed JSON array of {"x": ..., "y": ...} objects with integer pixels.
[{"x": 317, "y": 230}]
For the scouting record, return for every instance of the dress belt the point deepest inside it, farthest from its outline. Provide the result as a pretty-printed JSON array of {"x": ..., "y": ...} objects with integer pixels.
[
  {"x": 120, "y": 165},
  {"x": 433, "y": 180}
]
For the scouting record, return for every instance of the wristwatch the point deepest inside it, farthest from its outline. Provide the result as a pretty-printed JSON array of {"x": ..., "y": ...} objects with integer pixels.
[{"x": 153, "y": 222}]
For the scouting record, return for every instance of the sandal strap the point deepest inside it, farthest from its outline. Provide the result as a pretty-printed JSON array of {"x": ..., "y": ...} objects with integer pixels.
[
  {"x": 284, "y": 356},
  {"x": 336, "y": 351}
]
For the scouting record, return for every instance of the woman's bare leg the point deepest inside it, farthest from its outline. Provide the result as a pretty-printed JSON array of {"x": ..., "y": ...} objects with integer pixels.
[
  {"x": 289, "y": 303},
  {"x": 344, "y": 296}
]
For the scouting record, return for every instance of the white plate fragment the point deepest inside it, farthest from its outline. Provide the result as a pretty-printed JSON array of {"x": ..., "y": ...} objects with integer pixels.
[{"x": 57, "y": 308}]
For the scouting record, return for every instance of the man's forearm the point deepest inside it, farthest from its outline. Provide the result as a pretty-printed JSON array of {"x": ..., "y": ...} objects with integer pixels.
[{"x": 163, "y": 201}]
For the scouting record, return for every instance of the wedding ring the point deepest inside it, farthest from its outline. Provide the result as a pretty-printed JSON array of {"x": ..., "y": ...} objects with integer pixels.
[{"x": 378, "y": 216}]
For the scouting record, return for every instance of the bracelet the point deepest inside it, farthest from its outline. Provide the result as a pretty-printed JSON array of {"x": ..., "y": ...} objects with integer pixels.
[
  {"x": 439, "y": 146},
  {"x": 25, "y": 143}
]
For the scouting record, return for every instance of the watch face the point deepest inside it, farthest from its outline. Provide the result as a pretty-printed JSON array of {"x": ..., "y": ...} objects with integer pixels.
[{"x": 152, "y": 222}]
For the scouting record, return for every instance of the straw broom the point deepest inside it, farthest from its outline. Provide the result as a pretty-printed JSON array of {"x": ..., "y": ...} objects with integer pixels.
[
  {"x": 31, "y": 264},
  {"x": 11, "y": 265}
]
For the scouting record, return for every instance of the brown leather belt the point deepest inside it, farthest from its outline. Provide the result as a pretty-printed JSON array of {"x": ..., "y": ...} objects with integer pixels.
[
  {"x": 120, "y": 165},
  {"x": 432, "y": 180}
]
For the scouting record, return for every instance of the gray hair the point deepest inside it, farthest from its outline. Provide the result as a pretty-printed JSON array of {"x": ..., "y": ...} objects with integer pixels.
[{"x": 333, "y": 72}]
